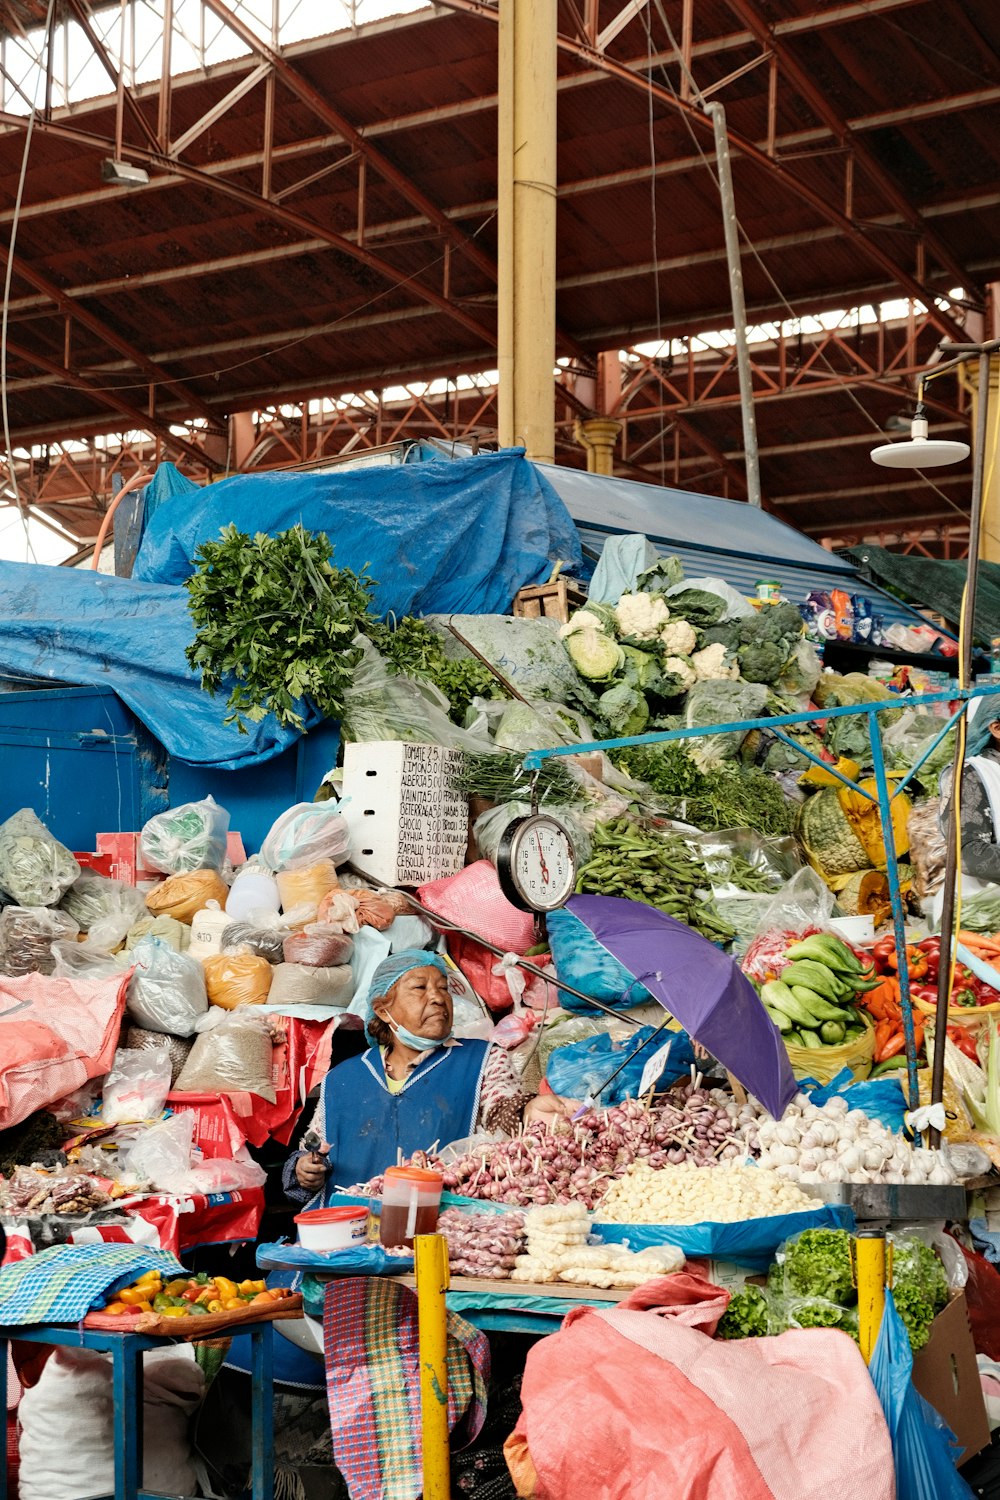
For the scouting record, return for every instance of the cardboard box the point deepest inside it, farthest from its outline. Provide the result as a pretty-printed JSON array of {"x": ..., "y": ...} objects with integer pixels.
[
  {"x": 946, "y": 1374},
  {"x": 408, "y": 824}
]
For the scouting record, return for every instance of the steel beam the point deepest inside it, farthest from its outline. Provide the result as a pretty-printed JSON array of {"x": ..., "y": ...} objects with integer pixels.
[
  {"x": 819, "y": 103},
  {"x": 81, "y": 11}
]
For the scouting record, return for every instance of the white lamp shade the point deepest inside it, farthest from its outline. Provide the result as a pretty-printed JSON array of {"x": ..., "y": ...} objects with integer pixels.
[{"x": 919, "y": 451}]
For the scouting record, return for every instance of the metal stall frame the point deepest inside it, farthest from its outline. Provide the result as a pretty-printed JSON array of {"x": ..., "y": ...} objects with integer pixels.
[{"x": 777, "y": 725}]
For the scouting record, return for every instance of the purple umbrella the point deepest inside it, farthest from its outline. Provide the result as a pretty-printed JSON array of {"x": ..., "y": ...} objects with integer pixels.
[{"x": 700, "y": 986}]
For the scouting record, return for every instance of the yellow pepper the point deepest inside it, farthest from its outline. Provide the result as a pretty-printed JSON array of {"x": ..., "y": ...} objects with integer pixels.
[
  {"x": 251, "y": 1288},
  {"x": 135, "y": 1295},
  {"x": 148, "y": 1277},
  {"x": 215, "y": 1306},
  {"x": 225, "y": 1288},
  {"x": 115, "y": 1309},
  {"x": 232, "y": 1302},
  {"x": 173, "y": 1312},
  {"x": 178, "y": 1285}
]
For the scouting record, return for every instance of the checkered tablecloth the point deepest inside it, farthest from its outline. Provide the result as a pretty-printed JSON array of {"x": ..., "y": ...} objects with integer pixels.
[{"x": 61, "y": 1284}]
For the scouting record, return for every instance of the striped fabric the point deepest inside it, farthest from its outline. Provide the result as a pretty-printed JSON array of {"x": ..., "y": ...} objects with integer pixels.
[
  {"x": 373, "y": 1385},
  {"x": 62, "y": 1284}
]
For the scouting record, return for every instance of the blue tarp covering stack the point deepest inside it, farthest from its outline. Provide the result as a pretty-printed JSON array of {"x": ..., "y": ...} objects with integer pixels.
[{"x": 439, "y": 537}]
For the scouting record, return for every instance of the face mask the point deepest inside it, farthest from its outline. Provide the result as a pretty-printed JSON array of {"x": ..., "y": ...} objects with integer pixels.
[{"x": 411, "y": 1039}]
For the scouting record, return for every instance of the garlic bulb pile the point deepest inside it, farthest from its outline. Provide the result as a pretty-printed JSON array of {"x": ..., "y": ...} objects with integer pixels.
[
  {"x": 838, "y": 1144},
  {"x": 686, "y": 1195}
]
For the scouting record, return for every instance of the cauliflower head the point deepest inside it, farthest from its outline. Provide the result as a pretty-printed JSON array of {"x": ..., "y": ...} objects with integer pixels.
[
  {"x": 641, "y": 616},
  {"x": 678, "y": 638},
  {"x": 713, "y": 662}
]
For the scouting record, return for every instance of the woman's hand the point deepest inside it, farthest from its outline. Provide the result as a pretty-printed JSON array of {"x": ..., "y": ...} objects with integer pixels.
[
  {"x": 310, "y": 1171},
  {"x": 549, "y": 1109}
]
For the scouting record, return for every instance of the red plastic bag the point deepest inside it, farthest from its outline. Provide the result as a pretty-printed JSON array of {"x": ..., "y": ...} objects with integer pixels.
[
  {"x": 473, "y": 899},
  {"x": 982, "y": 1294}
]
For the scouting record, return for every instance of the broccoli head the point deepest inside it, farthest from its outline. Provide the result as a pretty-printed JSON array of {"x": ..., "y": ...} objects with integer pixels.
[
  {"x": 763, "y": 661},
  {"x": 727, "y": 633}
]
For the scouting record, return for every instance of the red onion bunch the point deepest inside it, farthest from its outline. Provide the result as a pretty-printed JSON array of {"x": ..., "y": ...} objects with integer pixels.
[{"x": 482, "y": 1244}]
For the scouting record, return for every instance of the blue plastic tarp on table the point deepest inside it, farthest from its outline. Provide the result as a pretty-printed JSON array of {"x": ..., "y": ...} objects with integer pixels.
[
  {"x": 749, "y": 1242},
  {"x": 83, "y": 628},
  {"x": 439, "y": 537}
]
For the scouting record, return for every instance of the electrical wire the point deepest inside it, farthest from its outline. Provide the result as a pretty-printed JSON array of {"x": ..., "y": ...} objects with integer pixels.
[{"x": 8, "y": 278}]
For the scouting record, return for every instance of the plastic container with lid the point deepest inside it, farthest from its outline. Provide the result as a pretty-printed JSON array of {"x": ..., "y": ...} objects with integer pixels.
[
  {"x": 207, "y": 927},
  {"x": 254, "y": 889},
  {"x": 332, "y": 1228},
  {"x": 411, "y": 1200}
]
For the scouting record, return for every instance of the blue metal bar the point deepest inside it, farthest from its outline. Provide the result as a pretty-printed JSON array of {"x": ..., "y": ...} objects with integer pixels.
[
  {"x": 127, "y": 1386},
  {"x": 898, "y": 913},
  {"x": 534, "y": 758},
  {"x": 262, "y": 1411},
  {"x": 930, "y": 749},
  {"x": 824, "y": 765}
]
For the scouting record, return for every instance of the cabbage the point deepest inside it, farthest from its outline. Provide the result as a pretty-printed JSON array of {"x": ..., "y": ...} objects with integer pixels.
[{"x": 595, "y": 655}]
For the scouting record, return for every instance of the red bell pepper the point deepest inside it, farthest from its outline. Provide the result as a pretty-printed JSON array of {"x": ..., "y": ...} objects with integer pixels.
[
  {"x": 964, "y": 1041},
  {"x": 884, "y": 954}
]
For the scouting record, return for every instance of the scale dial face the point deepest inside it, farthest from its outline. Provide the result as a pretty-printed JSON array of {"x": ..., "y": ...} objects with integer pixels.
[{"x": 536, "y": 863}]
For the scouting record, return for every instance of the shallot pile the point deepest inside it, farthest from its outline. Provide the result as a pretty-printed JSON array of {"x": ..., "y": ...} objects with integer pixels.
[
  {"x": 482, "y": 1244},
  {"x": 576, "y": 1162}
]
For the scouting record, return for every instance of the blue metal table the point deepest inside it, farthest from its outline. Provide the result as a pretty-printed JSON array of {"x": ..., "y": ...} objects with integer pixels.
[{"x": 126, "y": 1350}]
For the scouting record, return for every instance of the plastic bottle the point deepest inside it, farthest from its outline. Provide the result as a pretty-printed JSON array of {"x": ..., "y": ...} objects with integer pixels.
[
  {"x": 254, "y": 889},
  {"x": 207, "y": 927}
]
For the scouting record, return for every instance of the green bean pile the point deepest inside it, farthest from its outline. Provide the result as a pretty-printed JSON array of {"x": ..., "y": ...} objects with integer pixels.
[{"x": 654, "y": 868}]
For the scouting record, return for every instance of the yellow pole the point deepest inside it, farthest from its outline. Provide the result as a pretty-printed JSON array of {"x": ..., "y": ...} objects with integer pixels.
[
  {"x": 526, "y": 227},
  {"x": 969, "y": 376},
  {"x": 869, "y": 1274},
  {"x": 431, "y": 1256},
  {"x": 598, "y": 437}
]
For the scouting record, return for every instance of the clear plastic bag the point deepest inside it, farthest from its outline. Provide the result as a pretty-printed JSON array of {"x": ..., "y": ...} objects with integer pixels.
[
  {"x": 138, "y": 1039},
  {"x": 928, "y": 851},
  {"x": 303, "y": 889},
  {"x": 105, "y": 909},
  {"x": 181, "y": 896},
  {"x": 381, "y": 706},
  {"x": 176, "y": 935},
  {"x": 721, "y": 702},
  {"x": 186, "y": 838},
  {"x": 302, "y": 984},
  {"x": 378, "y": 909},
  {"x": 233, "y": 979},
  {"x": 161, "y": 1156},
  {"x": 339, "y": 911},
  {"x": 266, "y": 942},
  {"x": 137, "y": 1086},
  {"x": 35, "y": 869},
  {"x": 82, "y": 961},
  {"x": 305, "y": 834},
  {"x": 232, "y": 1058},
  {"x": 26, "y": 937},
  {"x": 167, "y": 989},
  {"x": 318, "y": 945},
  {"x": 805, "y": 904}
]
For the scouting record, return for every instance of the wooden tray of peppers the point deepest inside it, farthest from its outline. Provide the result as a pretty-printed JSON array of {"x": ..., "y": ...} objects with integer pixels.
[
  {"x": 971, "y": 998},
  {"x": 192, "y": 1306}
]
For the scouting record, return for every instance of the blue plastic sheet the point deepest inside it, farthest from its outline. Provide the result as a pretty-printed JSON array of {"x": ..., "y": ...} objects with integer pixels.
[
  {"x": 357, "y": 1260},
  {"x": 440, "y": 537},
  {"x": 584, "y": 963},
  {"x": 923, "y": 1446},
  {"x": 881, "y": 1099},
  {"x": 578, "y": 1070},
  {"x": 750, "y": 1243},
  {"x": 75, "y": 626}
]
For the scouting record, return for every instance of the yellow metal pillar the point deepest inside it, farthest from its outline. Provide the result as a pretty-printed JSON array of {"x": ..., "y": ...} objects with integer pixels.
[
  {"x": 989, "y": 550},
  {"x": 869, "y": 1275},
  {"x": 431, "y": 1256},
  {"x": 526, "y": 194},
  {"x": 599, "y": 436}
]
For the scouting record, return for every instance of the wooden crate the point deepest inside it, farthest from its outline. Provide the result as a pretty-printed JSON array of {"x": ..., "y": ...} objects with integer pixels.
[{"x": 549, "y": 601}]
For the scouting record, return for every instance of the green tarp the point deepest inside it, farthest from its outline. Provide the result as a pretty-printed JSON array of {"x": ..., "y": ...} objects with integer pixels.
[{"x": 934, "y": 585}]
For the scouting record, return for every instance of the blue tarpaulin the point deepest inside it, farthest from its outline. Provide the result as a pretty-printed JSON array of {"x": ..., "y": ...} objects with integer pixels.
[
  {"x": 441, "y": 537},
  {"x": 445, "y": 537}
]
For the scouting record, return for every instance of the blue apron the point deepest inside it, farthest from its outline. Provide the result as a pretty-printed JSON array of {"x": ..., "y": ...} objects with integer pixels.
[{"x": 368, "y": 1128}]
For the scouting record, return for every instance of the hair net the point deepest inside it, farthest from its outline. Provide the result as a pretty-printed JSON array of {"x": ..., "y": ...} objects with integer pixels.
[
  {"x": 978, "y": 735},
  {"x": 393, "y": 968}
]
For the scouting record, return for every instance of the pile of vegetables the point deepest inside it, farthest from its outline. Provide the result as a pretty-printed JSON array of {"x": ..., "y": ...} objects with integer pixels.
[
  {"x": 189, "y": 1296},
  {"x": 658, "y": 869},
  {"x": 760, "y": 644},
  {"x": 812, "y": 1286},
  {"x": 834, "y": 1143},
  {"x": 575, "y": 1162},
  {"x": 723, "y": 796},
  {"x": 812, "y": 1001},
  {"x": 683, "y": 1195}
]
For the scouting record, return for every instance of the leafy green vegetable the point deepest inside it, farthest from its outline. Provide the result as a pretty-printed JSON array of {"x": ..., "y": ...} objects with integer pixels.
[
  {"x": 594, "y": 655},
  {"x": 502, "y": 778},
  {"x": 726, "y": 796},
  {"x": 762, "y": 661},
  {"x": 274, "y": 623},
  {"x": 697, "y": 606},
  {"x": 818, "y": 1264},
  {"x": 746, "y": 1315},
  {"x": 416, "y": 650},
  {"x": 919, "y": 1287},
  {"x": 814, "y": 1312},
  {"x": 623, "y": 709}
]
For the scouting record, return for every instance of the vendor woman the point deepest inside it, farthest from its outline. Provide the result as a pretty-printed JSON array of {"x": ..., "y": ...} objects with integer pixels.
[
  {"x": 980, "y": 810},
  {"x": 417, "y": 1085}
]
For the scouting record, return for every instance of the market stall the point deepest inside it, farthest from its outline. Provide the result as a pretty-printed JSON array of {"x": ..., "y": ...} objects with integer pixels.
[{"x": 649, "y": 886}]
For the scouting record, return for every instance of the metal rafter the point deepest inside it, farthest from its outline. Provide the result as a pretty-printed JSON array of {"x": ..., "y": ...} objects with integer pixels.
[
  {"x": 802, "y": 83},
  {"x": 81, "y": 10},
  {"x": 753, "y": 153},
  {"x": 140, "y": 419}
]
